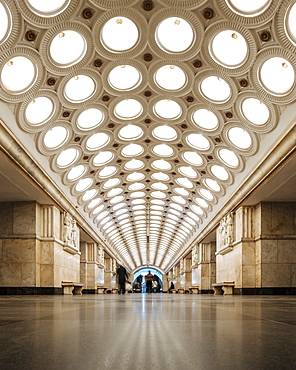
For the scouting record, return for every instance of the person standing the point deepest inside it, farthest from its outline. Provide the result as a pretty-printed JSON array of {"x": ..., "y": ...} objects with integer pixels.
[
  {"x": 149, "y": 279},
  {"x": 122, "y": 277}
]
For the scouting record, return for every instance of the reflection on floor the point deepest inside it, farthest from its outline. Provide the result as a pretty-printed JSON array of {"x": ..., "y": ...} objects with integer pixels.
[{"x": 141, "y": 331}]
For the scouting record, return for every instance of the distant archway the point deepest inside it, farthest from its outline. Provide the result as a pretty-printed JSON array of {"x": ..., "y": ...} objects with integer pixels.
[{"x": 139, "y": 277}]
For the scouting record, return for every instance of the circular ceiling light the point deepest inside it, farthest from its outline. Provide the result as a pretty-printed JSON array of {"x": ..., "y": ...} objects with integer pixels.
[
  {"x": 102, "y": 158},
  {"x": 255, "y": 111},
  {"x": 134, "y": 164},
  {"x": 67, "y": 157},
  {"x": 55, "y": 137},
  {"x": 136, "y": 186},
  {"x": 198, "y": 141},
  {"x": 240, "y": 137},
  {"x": 83, "y": 184},
  {"x": 178, "y": 199},
  {"x": 193, "y": 158},
  {"x": 130, "y": 132},
  {"x": 250, "y": 8},
  {"x": 161, "y": 165},
  {"x": 174, "y": 35},
  {"x": 132, "y": 150},
  {"x": 165, "y": 133},
  {"x": 229, "y": 48},
  {"x": 188, "y": 172},
  {"x": 158, "y": 194},
  {"x": 163, "y": 150},
  {"x": 76, "y": 172},
  {"x": 18, "y": 74},
  {"x": 183, "y": 181},
  {"x": 39, "y": 110},
  {"x": 124, "y": 77},
  {"x": 89, "y": 194},
  {"x": 119, "y": 34},
  {"x": 159, "y": 176},
  {"x": 108, "y": 171},
  {"x": 228, "y": 157},
  {"x": 277, "y": 76},
  {"x": 206, "y": 194},
  {"x": 291, "y": 24},
  {"x": 215, "y": 89},
  {"x": 114, "y": 192},
  {"x": 219, "y": 172},
  {"x": 117, "y": 199},
  {"x": 127, "y": 109},
  {"x": 67, "y": 48},
  {"x": 181, "y": 191},
  {"x": 48, "y": 8},
  {"x": 170, "y": 77},
  {"x": 159, "y": 186},
  {"x": 205, "y": 119},
  {"x": 94, "y": 203},
  {"x": 201, "y": 202},
  {"x": 212, "y": 184},
  {"x": 168, "y": 109},
  {"x": 5, "y": 23},
  {"x": 136, "y": 176},
  {"x": 97, "y": 141},
  {"x": 197, "y": 209},
  {"x": 79, "y": 88},
  {"x": 90, "y": 119},
  {"x": 193, "y": 216},
  {"x": 111, "y": 183}
]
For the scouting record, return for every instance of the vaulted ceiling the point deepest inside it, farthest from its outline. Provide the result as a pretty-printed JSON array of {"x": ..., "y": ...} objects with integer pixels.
[{"x": 150, "y": 114}]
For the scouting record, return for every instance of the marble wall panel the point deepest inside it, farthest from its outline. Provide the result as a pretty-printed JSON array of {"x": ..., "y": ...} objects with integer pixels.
[
  {"x": 269, "y": 251},
  {"x": 47, "y": 252},
  {"x": 6, "y": 219},
  {"x": 100, "y": 276},
  {"x": 286, "y": 251},
  {"x": 293, "y": 268},
  {"x": 248, "y": 276},
  {"x": 19, "y": 250},
  {"x": 248, "y": 253},
  {"x": 278, "y": 218},
  {"x": 276, "y": 275},
  {"x": 196, "y": 276},
  {"x": 47, "y": 275},
  {"x": 10, "y": 274},
  {"x": 24, "y": 218},
  {"x": 28, "y": 275},
  {"x": 257, "y": 220}
]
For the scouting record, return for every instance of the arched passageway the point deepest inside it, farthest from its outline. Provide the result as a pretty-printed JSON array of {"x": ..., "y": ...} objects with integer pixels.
[{"x": 139, "y": 282}]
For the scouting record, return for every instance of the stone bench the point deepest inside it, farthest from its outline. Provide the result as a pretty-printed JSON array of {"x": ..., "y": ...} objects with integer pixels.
[
  {"x": 174, "y": 291},
  {"x": 193, "y": 289},
  {"x": 223, "y": 288},
  {"x": 114, "y": 290},
  {"x": 181, "y": 291},
  {"x": 69, "y": 288},
  {"x": 101, "y": 289}
]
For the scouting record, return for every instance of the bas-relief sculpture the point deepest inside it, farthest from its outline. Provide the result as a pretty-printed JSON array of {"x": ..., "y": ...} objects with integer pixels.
[
  {"x": 195, "y": 257},
  {"x": 101, "y": 259},
  {"x": 225, "y": 234},
  {"x": 70, "y": 234}
]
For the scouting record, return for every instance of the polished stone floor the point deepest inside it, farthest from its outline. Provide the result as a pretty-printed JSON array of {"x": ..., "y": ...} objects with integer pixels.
[{"x": 147, "y": 331}]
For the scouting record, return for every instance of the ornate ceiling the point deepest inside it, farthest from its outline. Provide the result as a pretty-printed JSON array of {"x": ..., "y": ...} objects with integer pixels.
[{"x": 148, "y": 111}]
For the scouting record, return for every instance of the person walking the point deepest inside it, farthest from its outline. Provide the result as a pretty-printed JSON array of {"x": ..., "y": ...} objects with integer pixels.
[
  {"x": 149, "y": 279},
  {"x": 122, "y": 278}
]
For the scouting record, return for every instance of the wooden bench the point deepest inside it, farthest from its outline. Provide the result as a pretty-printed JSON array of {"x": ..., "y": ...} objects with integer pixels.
[
  {"x": 223, "y": 288},
  {"x": 101, "y": 289},
  {"x": 69, "y": 288},
  {"x": 193, "y": 289}
]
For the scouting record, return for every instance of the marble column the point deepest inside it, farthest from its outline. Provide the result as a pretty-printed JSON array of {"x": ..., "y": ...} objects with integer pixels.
[{"x": 35, "y": 259}]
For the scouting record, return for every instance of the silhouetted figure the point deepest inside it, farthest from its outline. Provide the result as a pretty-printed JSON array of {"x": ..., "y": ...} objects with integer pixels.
[
  {"x": 171, "y": 287},
  {"x": 122, "y": 277},
  {"x": 149, "y": 279}
]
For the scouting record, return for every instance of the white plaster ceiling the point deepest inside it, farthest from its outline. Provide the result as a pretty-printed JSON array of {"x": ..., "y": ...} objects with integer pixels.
[{"x": 148, "y": 115}]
